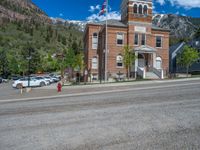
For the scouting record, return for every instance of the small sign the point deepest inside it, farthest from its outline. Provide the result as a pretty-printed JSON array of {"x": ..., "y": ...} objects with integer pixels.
[
  {"x": 140, "y": 29},
  {"x": 86, "y": 72}
]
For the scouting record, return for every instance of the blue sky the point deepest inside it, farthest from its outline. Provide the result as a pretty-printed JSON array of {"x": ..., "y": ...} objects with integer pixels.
[{"x": 89, "y": 9}]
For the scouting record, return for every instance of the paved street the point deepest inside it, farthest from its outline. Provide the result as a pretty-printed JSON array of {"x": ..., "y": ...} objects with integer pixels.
[{"x": 152, "y": 116}]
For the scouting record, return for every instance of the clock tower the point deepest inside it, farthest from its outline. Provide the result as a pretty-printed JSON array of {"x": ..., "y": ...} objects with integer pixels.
[{"x": 136, "y": 11}]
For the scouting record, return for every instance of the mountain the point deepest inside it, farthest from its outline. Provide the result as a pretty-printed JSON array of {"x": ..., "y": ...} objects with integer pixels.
[
  {"x": 79, "y": 25},
  {"x": 22, "y": 10},
  {"x": 181, "y": 26}
]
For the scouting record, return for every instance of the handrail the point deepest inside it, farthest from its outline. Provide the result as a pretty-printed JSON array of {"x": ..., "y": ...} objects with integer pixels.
[
  {"x": 159, "y": 73},
  {"x": 141, "y": 72}
]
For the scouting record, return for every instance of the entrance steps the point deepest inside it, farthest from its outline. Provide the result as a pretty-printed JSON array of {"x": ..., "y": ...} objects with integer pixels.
[{"x": 151, "y": 75}]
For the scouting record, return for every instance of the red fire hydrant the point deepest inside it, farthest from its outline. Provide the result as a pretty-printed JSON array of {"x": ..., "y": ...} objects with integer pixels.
[{"x": 59, "y": 87}]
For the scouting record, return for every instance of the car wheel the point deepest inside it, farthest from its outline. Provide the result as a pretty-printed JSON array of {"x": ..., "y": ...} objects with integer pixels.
[
  {"x": 42, "y": 84},
  {"x": 19, "y": 86}
]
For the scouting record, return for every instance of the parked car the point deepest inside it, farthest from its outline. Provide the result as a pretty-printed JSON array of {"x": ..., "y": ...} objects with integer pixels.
[
  {"x": 2, "y": 80},
  {"x": 42, "y": 79},
  {"x": 49, "y": 79},
  {"x": 55, "y": 79},
  {"x": 23, "y": 82},
  {"x": 16, "y": 77}
]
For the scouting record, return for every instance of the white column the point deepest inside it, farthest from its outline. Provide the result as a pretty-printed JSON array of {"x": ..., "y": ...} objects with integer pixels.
[
  {"x": 154, "y": 60},
  {"x": 136, "y": 61}
]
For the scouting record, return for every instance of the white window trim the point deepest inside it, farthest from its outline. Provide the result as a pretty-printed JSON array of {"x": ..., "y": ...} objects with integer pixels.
[
  {"x": 144, "y": 40},
  {"x": 138, "y": 39},
  {"x": 117, "y": 39},
  {"x": 97, "y": 41},
  {"x": 117, "y": 62},
  {"x": 95, "y": 57},
  {"x": 147, "y": 9},
  {"x": 161, "y": 41}
]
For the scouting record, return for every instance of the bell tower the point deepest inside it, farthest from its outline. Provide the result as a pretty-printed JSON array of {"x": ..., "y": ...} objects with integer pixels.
[{"x": 136, "y": 11}]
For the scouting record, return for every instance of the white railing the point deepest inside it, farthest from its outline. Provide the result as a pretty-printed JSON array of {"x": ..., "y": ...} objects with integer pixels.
[
  {"x": 159, "y": 73},
  {"x": 141, "y": 72}
]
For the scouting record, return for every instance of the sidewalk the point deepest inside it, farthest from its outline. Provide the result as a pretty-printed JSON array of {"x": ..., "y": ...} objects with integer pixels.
[{"x": 51, "y": 91}]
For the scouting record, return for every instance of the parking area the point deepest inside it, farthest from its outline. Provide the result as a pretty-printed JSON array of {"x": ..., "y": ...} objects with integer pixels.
[{"x": 8, "y": 92}]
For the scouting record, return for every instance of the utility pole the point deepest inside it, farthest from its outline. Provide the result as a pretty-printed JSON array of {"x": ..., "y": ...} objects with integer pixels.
[
  {"x": 106, "y": 44},
  {"x": 29, "y": 65}
]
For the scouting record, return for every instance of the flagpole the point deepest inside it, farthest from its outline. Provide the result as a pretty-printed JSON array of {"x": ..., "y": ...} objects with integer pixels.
[{"x": 106, "y": 44}]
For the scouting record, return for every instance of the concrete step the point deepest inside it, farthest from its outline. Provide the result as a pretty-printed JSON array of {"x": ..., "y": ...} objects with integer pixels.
[{"x": 151, "y": 75}]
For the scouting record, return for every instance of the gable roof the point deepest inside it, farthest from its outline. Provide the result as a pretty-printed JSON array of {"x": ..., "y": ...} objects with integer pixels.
[
  {"x": 154, "y": 27},
  {"x": 111, "y": 22}
]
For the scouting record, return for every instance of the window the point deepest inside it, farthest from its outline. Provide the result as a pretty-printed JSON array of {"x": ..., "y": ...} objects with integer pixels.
[
  {"x": 158, "y": 41},
  {"x": 136, "y": 39},
  {"x": 143, "y": 40},
  {"x": 140, "y": 9},
  {"x": 94, "y": 41},
  {"x": 120, "y": 38},
  {"x": 119, "y": 60},
  {"x": 145, "y": 10},
  {"x": 94, "y": 63},
  {"x": 135, "y": 9}
]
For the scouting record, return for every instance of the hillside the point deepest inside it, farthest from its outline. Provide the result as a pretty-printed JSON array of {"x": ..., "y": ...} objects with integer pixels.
[{"x": 22, "y": 26}]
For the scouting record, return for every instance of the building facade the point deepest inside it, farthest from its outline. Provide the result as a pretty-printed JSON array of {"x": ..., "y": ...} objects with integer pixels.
[
  {"x": 175, "y": 50},
  {"x": 149, "y": 43}
]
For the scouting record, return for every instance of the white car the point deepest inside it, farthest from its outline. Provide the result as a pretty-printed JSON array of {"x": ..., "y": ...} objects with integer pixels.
[
  {"x": 49, "y": 78},
  {"x": 24, "y": 83},
  {"x": 43, "y": 79}
]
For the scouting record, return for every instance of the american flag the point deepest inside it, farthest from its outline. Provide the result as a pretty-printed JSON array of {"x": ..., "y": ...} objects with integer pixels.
[{"x": 103, "y": 9}]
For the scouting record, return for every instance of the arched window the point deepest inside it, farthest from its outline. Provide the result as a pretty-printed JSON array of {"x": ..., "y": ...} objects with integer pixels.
[
  {"x": 158, "y": 62},
  {"x": 94, "y": 63},
  {"x": 119, "y": 60},
  {"x": 135, "y": 9},
  {"x": 140, "y": 9},
  {"x": 94, "y": 41},
  {"x": 145, "y": 10}
]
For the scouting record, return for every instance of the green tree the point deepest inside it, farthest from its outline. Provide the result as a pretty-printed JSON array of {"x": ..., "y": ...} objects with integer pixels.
[
  {"x": 128, "y": 58},
  {"x": 187, "y": 57},
  {"x": 79, "y": 63}
]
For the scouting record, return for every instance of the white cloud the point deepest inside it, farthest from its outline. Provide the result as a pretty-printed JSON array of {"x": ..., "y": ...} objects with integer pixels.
[
  {"x": 186, "y": 3},
  {"x": 161, "y": 2},
  {"x": 111, "y": 15},
  {"x": 182, "y": 3},
  {"x": 93, "y": 8}
]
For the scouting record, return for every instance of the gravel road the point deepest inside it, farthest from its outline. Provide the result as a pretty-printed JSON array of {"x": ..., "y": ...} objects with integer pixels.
[{"x": 166, "y": 117}]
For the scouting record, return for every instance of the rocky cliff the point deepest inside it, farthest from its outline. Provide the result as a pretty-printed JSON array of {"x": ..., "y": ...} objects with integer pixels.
[{"x": 21, "y": 10}]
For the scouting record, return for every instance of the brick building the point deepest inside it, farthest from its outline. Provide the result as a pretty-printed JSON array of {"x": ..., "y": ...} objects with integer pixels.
[{"x": 149, "y": 43}]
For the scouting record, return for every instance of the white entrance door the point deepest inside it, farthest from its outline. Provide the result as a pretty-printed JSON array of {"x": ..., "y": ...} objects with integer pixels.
[{"x": 158, "y": 63}]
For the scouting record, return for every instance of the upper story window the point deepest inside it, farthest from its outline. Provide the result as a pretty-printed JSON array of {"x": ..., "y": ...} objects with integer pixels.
[
  {"x": 119, "y": 60},
  {"x": 94, "y": 41},
  {"x": 136, "y": 39},
  {"x": 140, "y": 9},
  {"x": 94, "y": 63},
  {"x": 145, "y": 10},
  {"x": 135, "y": 9},
  {"x": 120, "y": 38},
  {"x": 158, "y": 41},
  {"x": 143, "y": 39}
]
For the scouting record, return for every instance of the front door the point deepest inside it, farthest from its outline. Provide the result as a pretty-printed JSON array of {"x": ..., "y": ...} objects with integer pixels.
[{"x": 141, "y": 61}]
